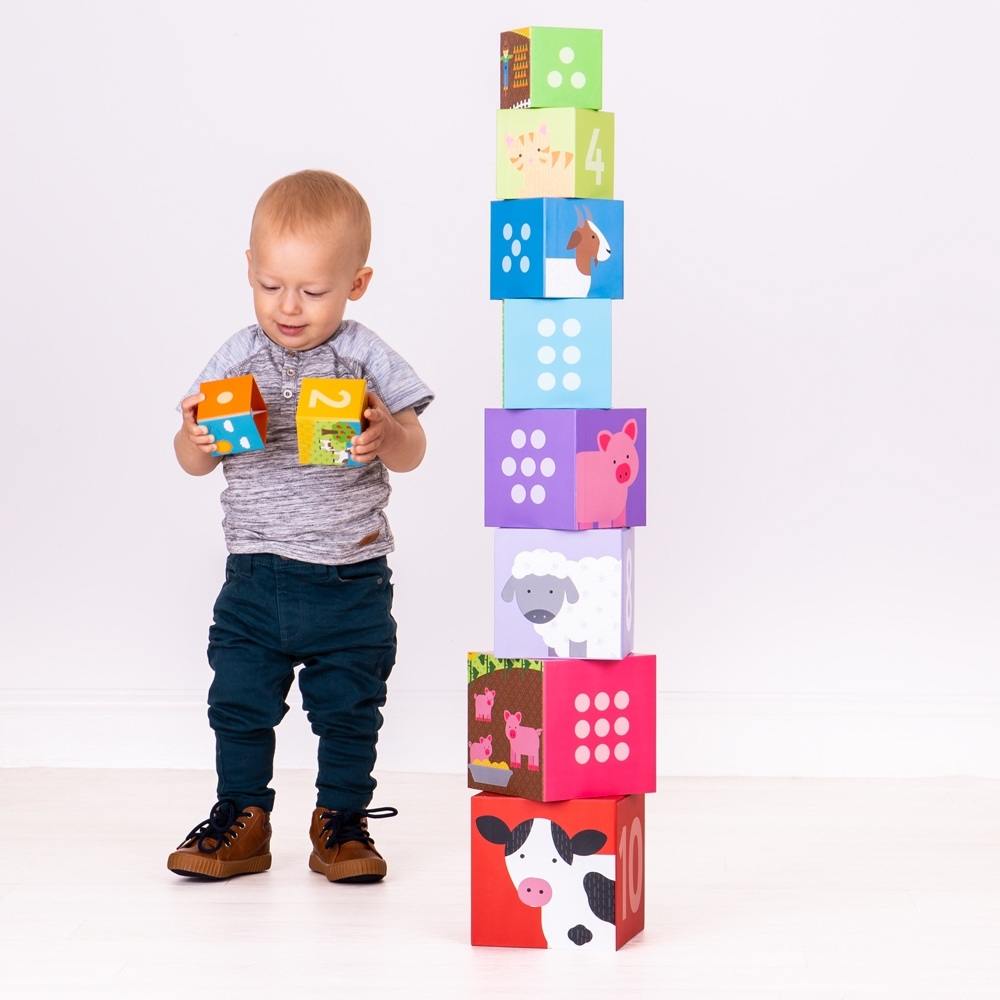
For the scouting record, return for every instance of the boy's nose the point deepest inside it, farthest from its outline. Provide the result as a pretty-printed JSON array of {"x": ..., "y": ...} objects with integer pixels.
[{"x": 290, "y": 304}]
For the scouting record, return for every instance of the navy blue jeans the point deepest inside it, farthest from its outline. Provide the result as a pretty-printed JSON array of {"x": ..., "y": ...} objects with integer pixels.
[{"x": 272, "y": 615}]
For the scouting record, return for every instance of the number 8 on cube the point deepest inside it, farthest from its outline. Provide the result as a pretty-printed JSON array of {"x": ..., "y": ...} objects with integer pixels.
[{"x": 329, "y": 414}]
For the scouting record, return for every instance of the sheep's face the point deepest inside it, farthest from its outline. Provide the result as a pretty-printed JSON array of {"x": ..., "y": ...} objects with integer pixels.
[{"x": 540, "y": 598}]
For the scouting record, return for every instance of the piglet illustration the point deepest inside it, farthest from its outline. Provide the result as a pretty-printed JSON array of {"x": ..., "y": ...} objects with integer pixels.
[
  {"x": 523, "y": 740},
  {"x": 484, "y": 705},
  {"x": 603, "y": 478},
  {"x": 481, "y": 749}
]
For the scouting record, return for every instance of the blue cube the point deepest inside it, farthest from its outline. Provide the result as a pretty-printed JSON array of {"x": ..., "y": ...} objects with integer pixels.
[
  {"x": 556, "y": 248},
  {"x": 556, "y": 353}
]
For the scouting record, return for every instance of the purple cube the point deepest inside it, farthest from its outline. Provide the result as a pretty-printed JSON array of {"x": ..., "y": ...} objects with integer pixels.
[
  {"x": 563, "y": 593},
  {"x": 567, "y": 469}
]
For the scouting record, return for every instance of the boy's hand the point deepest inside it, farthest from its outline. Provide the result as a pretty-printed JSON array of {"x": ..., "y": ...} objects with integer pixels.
[
  {"x": 381, "y": 431},
  {"x": 194, "y": 432}
]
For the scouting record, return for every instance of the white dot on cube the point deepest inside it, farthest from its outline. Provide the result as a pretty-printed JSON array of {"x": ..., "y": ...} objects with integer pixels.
[
  {"x": 547, "y": 468},
  {"x": 602, "y": 752},
  {"x": 528, "y": 467},
  {"x": 571, "y": 327},
  {"x": 582, "y": 729},
  {"x": 582, "y": 702},
  {"x": 224, "y": 397},
  {"x": 621, "y": 751},
  {"x": 571, "y": 355},
  {"x": 578, "y": 80},
  {"x": 518, "y": 493},
  {"x": 582, "y": 755},
  {"x": 571, "y": 381},
  {"x": 518, "y": 438},
  {"x": 508, "y": 231},
  {"x": 505, "y": 264},
  {"x": 228, "y": 425},
  {"x": 537, "y": 438},
  {"x": 546, "y": 381},
  {"x": 515, "y": 247},
  {"x": 566, "y": 54},
  {"x": 602, "y": 727},
  {"x": 621, "y": 725},
  {"x": 546, "y": 327},
  {"x": 508, "y": 466},
  {"x": 538, "y": 493},
  {"x": 601, "y": 700},
  {"x": 546, "y": 355},
  {"x": 621, "y": 699},
  {"x": 525, "y": 231},
  {"x": 244, "y": 442},
  {"x": 525, "y": 264},
  {"x": 555, "y": 78}
]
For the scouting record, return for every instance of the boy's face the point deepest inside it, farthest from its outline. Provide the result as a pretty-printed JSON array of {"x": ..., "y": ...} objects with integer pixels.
[{"x": 301, "y": 284}]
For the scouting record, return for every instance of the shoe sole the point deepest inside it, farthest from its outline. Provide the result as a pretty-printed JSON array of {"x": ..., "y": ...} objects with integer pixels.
[
  {"x": 371, "y": 870},
  {"x": 212, "y": 868}
]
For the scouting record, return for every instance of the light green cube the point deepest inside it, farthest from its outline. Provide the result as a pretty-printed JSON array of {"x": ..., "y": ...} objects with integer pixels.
[
  {"x": 551, "y": 68},
  {"x": 555, "y": 153}
]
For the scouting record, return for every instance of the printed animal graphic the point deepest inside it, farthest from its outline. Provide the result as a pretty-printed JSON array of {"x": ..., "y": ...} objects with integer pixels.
[
  {"x": 524, "y": 740},
  {"x": 603, "y": 478},
  {"x": 563, "y": 876},
  {"x": 542, "y": 168},
  {"x": 484, "y": 705},
  {"x": 573, "y": 604},
  {"x": 569, "y": 277},
  {"x": 481, "y": 750}
]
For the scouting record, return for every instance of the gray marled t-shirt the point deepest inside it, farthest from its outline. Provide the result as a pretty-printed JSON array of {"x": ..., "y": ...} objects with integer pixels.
[{"x": 316, "y": 513}]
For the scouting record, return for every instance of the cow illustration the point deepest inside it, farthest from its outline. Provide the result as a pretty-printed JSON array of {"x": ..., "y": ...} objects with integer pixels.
[{"x": 563, "y": 876}]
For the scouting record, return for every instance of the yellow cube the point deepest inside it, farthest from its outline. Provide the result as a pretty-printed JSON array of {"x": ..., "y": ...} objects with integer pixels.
[{"x": 329, "y": 415}]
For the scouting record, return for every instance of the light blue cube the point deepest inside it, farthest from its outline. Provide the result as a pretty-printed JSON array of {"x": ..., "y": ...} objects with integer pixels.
[
  {"x": 236, "y": 434},
  {"x": 556, "y": 354}
]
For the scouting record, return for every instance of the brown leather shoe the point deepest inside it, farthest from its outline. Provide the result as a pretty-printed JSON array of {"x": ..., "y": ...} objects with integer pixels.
[
  {"x": 229, "y": 842},
  {"x": 343, "y": 850}
]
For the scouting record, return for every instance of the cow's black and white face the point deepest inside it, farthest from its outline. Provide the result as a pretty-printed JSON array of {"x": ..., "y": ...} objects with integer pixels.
[{"x": 539, "y": 855}]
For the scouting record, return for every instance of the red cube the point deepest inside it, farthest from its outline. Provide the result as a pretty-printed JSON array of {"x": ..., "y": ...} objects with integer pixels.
[{"x": 558, "y": 874}]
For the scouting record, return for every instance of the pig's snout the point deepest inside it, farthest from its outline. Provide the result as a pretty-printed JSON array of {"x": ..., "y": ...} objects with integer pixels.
[{"x": 623, "y": 472}]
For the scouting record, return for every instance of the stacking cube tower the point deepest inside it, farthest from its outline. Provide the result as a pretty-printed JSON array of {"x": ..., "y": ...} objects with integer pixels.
[{"x": 561, "y": 713}]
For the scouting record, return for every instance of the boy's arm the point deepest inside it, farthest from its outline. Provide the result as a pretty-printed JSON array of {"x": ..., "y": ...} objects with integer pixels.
[
  {"x": 193, "y": 445},
  {"x": 396, "y": 438}
]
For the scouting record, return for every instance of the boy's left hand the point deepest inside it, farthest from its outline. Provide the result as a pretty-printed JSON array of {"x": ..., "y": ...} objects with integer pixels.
[{"x": 381, "y": 430}]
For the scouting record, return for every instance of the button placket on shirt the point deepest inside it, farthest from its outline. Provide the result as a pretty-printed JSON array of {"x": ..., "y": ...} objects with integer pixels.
[{"x": 289, "y": 372}]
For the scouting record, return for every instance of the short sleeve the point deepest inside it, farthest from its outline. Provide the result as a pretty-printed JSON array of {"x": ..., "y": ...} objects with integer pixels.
[
  {"x": 393, "y": 380},
  {"x": 236, "y": 349}
]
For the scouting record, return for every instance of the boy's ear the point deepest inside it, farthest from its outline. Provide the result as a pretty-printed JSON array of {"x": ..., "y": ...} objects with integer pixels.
[
  {"x": 249, "y": 267},
  {"x": 360, "y": 286}
]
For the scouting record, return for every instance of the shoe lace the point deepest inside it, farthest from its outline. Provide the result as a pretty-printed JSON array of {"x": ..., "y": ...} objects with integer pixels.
[
  {"x": 223, "y": 817},
  {"x": 344, "y": 825}
]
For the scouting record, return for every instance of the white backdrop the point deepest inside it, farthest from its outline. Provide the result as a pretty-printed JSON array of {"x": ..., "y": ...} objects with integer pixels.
[{"x": 811, "y": 317}]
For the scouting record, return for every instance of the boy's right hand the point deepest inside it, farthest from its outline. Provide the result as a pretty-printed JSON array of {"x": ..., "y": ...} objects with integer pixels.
[{"x": 193, "y": 431}]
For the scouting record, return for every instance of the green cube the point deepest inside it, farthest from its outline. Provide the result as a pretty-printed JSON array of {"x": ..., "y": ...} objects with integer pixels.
[
  {"x": 551, "y": 68},
  {"x": 555, "y": 153}
]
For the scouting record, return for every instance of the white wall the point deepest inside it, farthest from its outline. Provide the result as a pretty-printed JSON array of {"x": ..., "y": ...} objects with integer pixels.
[{"x": 811, "y": 318}]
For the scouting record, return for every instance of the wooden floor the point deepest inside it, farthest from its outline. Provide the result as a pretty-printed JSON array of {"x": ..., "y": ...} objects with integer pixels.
[{"x": 755, "y": 888}]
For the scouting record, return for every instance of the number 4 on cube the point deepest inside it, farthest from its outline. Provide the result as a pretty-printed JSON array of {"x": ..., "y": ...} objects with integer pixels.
[{"x": 330, "y": 413}]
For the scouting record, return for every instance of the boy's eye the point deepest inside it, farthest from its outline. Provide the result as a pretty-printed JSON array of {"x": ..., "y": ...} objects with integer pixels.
[
  {"x": 315, "y": 295},
  {"x": 268, "y": 288}
]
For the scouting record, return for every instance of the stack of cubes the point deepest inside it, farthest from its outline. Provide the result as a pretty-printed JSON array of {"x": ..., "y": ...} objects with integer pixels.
[{"x": 562, "y": 713}]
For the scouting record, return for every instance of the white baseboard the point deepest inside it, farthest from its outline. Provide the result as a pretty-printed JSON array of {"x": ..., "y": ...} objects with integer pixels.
[{"x": 700, "y": 734}]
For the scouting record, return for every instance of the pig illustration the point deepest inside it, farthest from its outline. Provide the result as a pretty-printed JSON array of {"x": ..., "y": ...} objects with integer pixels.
[
  {"x": 484, "y": 705},
  {"x": 523, "y": 740},
  {"x": 603, "y": 478},
  {"x": 481, "y": 749}
]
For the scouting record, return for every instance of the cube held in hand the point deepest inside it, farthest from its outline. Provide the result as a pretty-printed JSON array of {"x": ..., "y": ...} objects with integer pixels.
[
  {"x": 235, "y": 413},
  {"x": 329, "y": 415}
]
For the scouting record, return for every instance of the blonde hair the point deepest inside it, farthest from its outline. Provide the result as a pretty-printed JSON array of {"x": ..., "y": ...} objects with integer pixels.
[{"x": 315, "y": 202}]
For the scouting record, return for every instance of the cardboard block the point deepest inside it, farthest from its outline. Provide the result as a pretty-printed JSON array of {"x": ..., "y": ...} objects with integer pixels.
[
  {"x": 551, "y": 68},
  {"x": 235, "y": 413},
  {"x": 329, "y": 414},
  {"x": 549, "y": 729},
  {"x": 565, "y": 469},
  {"x": 555, "y": 153},
  {"x": 563, "y": 593},
  {"x": 556, "y": 248},
  {"x": 559, "y": 874}
]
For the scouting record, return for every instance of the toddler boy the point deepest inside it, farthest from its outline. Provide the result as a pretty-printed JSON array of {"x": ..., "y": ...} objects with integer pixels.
[{"x": 307, "y": 582}]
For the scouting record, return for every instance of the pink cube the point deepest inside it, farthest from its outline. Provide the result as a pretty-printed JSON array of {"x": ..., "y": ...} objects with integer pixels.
[{"x": 561, "y": 729}]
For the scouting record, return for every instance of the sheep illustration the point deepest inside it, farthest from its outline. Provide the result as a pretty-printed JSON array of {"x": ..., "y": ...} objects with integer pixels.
[{"x": 575, "y": 605}]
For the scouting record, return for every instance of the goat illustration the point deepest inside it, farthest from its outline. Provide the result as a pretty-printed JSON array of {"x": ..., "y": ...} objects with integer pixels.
[{"x": 569, "y": 277}]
